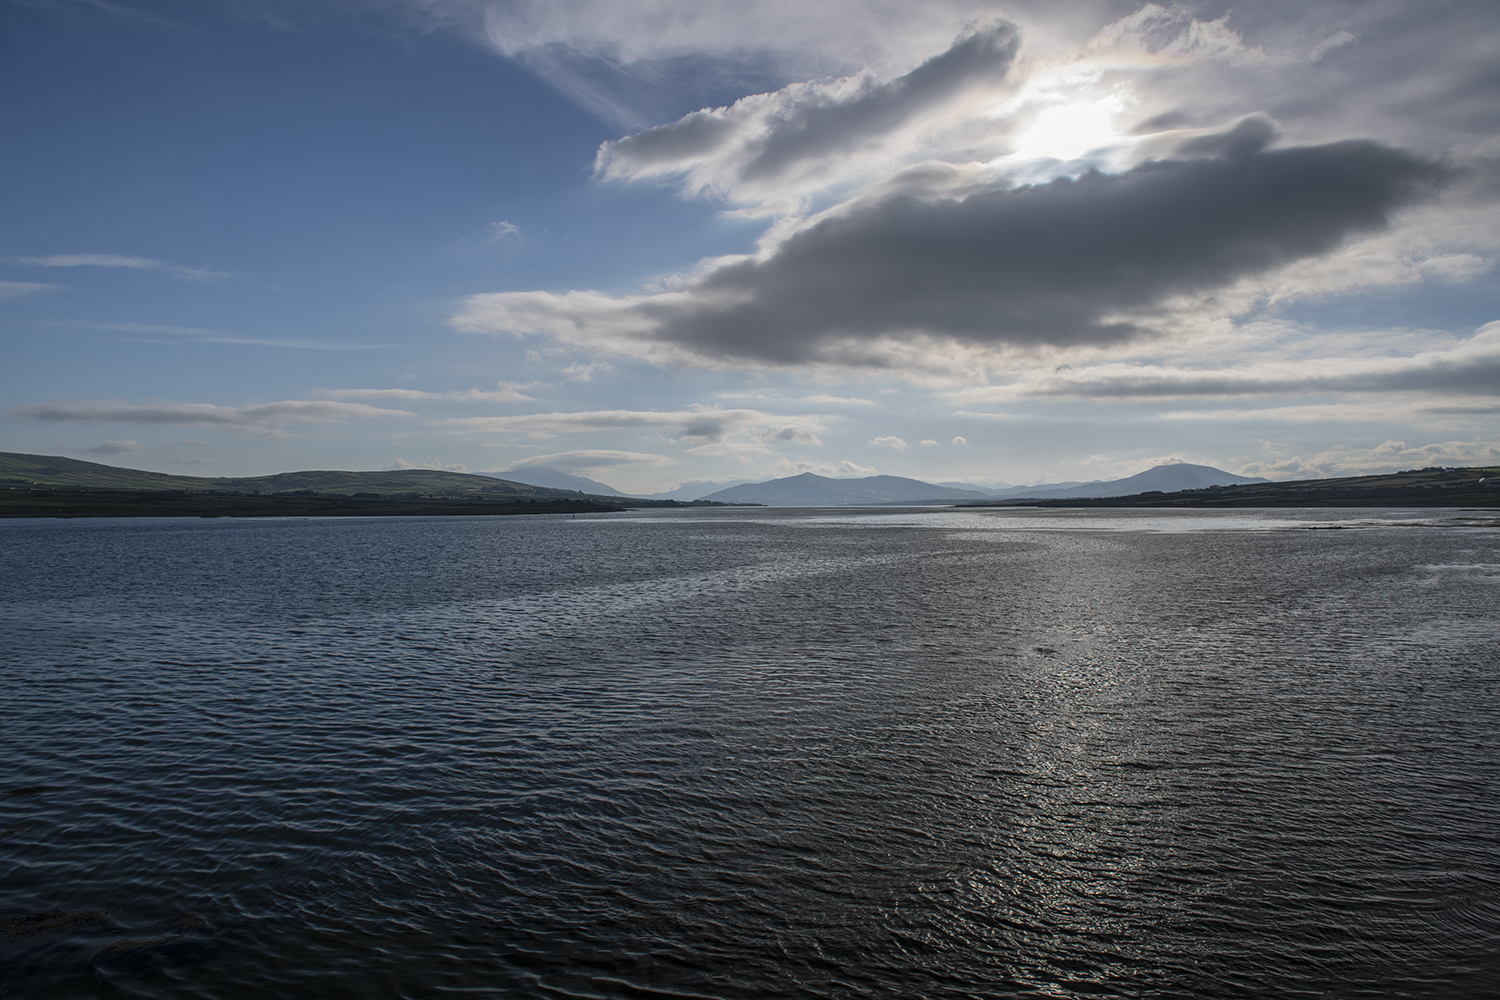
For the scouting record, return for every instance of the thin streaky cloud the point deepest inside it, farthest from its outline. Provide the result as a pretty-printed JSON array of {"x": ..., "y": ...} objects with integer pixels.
[
  {"x": 1470, "y": 367},
  {"x": 115, "y": 260},
  {"x": 504, "y": 394},
  {"x": 207, "y": 336},
  {"x": 256, "y": 420},
  {"x": 709, "y": 424},
  {"x": 819, "y": 399},
  {"x": 16, "y": 289}
]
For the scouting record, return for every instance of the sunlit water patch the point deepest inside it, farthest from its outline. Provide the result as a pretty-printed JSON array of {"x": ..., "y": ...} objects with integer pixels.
[{"x": 753, "y": 753}]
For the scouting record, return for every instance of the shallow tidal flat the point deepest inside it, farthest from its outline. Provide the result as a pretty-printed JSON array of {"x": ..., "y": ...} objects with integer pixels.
[{"x": 753, "y": 753}]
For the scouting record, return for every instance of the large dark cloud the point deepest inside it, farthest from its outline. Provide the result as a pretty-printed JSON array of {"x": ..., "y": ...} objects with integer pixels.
[{"x": 1057, "y": 263}]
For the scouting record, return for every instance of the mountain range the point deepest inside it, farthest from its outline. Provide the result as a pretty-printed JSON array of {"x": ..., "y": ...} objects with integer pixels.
[
  {"x": 1166, "y": 478},
  {"x": 809, "y": 490},
  {"x": 541, "y": 475},
  {"x": 805, "y": 490}
]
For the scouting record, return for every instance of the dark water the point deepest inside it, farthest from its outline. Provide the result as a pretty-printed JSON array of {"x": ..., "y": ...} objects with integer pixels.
[{"x": 753, "y": 754}]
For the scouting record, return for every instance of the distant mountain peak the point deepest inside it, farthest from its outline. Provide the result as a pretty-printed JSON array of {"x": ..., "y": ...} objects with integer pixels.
[{"x": 1168, "y": 478}]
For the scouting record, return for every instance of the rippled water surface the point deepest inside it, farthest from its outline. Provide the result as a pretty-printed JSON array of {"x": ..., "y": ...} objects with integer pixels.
[{"x": 753, "y": 753}]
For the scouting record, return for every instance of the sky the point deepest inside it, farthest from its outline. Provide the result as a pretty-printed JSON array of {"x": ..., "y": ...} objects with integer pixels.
[{"x": 659, "y": 241}]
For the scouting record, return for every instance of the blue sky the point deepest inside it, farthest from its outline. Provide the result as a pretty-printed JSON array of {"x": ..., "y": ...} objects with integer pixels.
[{"x": 654, "y": 241}]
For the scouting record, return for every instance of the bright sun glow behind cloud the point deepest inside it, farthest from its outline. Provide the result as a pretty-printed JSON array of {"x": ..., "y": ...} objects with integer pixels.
[{"x": 1067, "y": 131}]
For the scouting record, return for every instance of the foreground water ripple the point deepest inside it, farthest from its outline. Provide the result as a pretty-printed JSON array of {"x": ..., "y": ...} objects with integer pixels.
[{"x": 753, "y": 753}]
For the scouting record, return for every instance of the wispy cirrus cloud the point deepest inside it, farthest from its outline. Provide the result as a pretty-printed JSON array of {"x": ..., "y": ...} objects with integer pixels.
[
  {"x": 16, "y": 289},
  {"x": 116, "y": 260},
  {"x": 256, "y": 420},
  {"x": 628, "y": 63},
  {"x": 778, "y": 145},
  {"x": 505, "y": 393},
  {"x": 202, "y": 335}
]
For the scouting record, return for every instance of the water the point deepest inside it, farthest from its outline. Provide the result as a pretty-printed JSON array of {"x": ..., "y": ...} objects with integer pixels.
[{"x": 753, "y": 753}]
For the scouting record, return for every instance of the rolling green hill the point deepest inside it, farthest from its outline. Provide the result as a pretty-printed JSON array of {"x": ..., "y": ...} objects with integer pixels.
[{"x": 54, "y": 470}]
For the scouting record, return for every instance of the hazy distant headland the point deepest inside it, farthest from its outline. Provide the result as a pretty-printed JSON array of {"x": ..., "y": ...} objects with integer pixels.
[{"x": 1430, "y": 487}]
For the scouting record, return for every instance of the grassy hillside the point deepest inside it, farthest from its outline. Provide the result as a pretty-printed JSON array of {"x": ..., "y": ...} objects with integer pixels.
[{"x": 54, "y": 470}]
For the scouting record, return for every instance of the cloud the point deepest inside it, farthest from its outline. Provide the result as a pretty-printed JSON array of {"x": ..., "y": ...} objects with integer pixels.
[
  {"x": 111, "y": 448},
  {"x": 795, "y": 467},
  {"x": 1471, "y": 367},
  {"x": 115, "y": 260},
  {"x": 588, "y": 459},
  {"x": 259, "y": 420},
  {"x": 206, "y": 336},
  {"x": 706, "y": 423},
  {"x": 437, "y": 466},
  {"x": 961, "y": 441},
  {"x": 762, "y": 144},
  {"x": 630, "y": 63},
  {"x": 929, "y": 443},
  {"x": 893, "y": 443},
  {"x": 89, "y": 260},
  {"x": 1073, "y": 262},
  {"x": 653, "y": 30},
  {"x": 910, "y": 234},
  {"x": 504, "y": 394},
  {"x": 1389, "y": 456},
  {"x": 817, "y": 399},
  {"x": 16, "y": 289},
  {"x": 786, "y": 434},
  {"x": 585, "y": 371}
]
